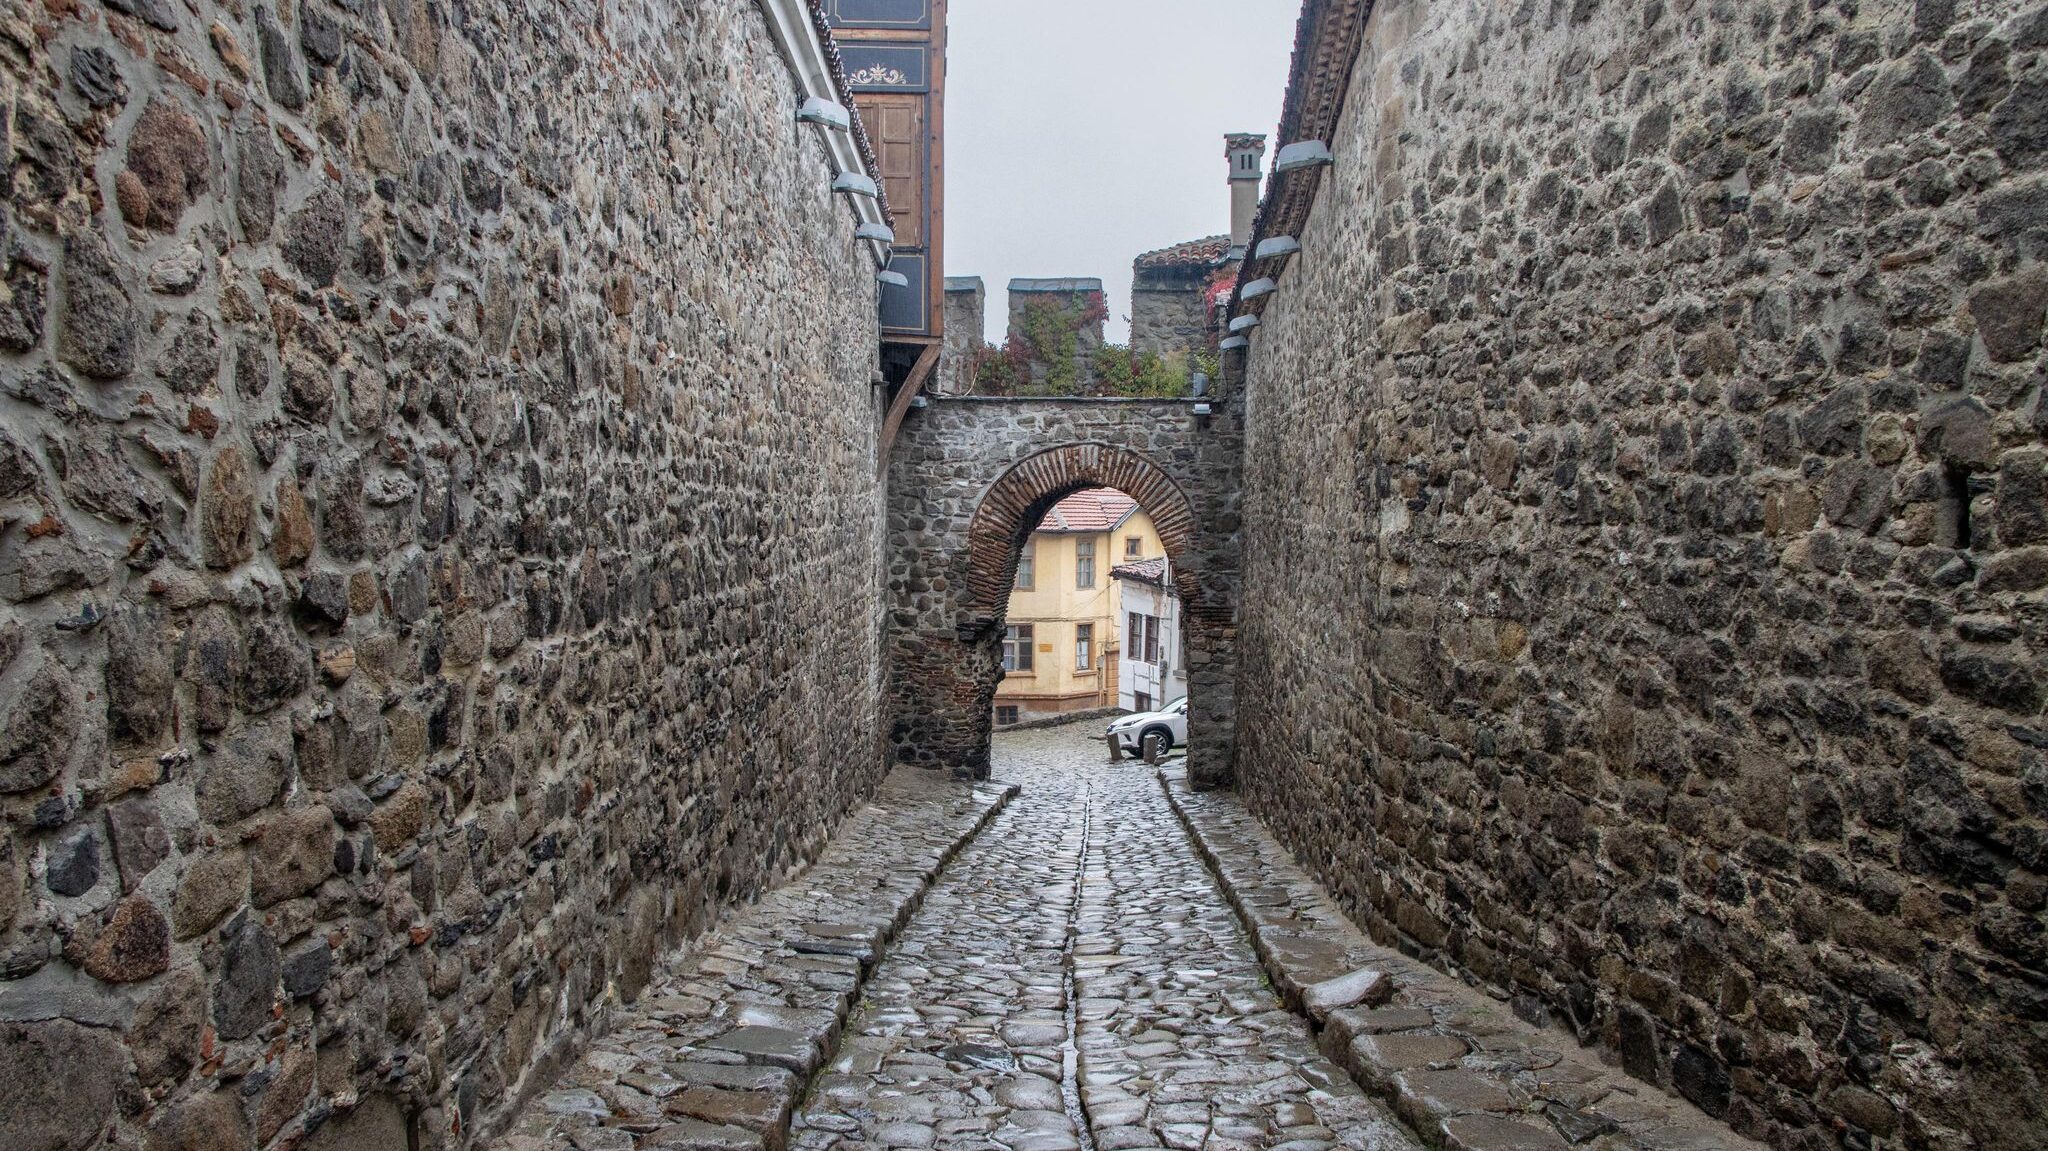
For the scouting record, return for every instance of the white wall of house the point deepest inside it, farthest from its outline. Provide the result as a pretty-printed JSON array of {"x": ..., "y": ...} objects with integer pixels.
[{"x": 1163, "y": 678}]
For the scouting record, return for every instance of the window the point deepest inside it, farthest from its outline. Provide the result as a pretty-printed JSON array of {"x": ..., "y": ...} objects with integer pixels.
[
  {"x": 1084, "y": 563},
  {"x": 1143, "y": 701},
  {"x": 1084, "y": 647},
  {"x": 1006, "y": 715},
  {"x": 1143, "y": 638},
  {"x": 1027, "y": 566},
  {"x": 1017, "y": 648},
  {"x": 1134, "y": 547}
]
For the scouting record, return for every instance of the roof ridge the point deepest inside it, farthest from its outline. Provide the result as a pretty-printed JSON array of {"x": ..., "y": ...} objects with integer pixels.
[
  {"x": 1184, "y": 243},
  {"x": 1189, "y": 249},
  {"x": 1090, "y": 510}
]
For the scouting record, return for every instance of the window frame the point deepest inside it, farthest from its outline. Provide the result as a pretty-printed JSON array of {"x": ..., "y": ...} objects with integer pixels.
[
  {"x": 1027, "y": 568},
  {"x": 1084, "y": 647},
  {"x": 1084, "y": 554},
  {"x": 1134, "y": 547},
  {"x": 1019, "y": 640},
  {"x": 1014, "y": 715}
]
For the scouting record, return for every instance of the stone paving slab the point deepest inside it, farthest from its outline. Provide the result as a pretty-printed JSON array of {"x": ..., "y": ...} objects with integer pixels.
[
  {"x": 1465, "y": 1072},
  {"x": 1077, "y": 981},
  {"x": 958, "y": 1041},
  {"x": 716, "y": 1053},
  {"x": 1183, "y": 1046}
]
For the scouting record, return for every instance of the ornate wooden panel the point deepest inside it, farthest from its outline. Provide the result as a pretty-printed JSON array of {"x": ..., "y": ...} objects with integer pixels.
[
  {"x": 908, "y": 14},
  {"x": 873, "y": 66}
]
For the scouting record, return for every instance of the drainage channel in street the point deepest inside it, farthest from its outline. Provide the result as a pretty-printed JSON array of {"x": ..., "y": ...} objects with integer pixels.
[{"x": 1070, "y": 1056}]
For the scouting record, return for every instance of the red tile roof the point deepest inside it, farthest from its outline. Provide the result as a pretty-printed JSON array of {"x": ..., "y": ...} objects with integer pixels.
[
  {"x": 1198, "y": 253},
  {"x": 1152, "y": 571},
  {"x": 1093, "y": 510}
]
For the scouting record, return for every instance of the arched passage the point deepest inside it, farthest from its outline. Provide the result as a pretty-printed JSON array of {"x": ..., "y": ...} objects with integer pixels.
[
  {"x": 1021, "y": 496},
  {"x": 970, "y": 479}
]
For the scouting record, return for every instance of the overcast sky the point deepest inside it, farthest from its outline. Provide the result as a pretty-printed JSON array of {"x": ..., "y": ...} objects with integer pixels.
[{"x": 1080, "y": 133}]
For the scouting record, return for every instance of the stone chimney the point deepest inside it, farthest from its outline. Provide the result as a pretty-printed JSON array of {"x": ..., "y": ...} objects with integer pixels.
[{"x": 1246, "y": 152}]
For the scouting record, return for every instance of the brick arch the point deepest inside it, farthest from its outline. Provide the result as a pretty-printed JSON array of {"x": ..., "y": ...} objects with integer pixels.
[
  {"x": 1021, "y": 497},
  {"x": 971, "y": 476}
]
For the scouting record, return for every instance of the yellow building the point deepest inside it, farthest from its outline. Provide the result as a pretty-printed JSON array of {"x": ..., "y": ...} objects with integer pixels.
[{"x": 1060, "y": 650}]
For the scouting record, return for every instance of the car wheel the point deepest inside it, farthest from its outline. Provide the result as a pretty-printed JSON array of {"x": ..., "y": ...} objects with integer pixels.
[{"x": 1156, "y": 742}]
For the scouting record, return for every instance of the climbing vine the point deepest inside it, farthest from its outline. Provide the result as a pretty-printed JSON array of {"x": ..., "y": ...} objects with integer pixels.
[
  {"x": 1048, "y": 334},
  {"x": 1121, "y": 371}
]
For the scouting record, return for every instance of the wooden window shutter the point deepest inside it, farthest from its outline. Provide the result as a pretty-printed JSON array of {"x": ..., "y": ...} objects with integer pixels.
[{"x": 896, "y": 124}]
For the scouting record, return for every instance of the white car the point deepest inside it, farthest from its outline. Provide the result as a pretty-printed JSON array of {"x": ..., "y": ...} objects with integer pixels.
[{"x": 1169, "y": 725}]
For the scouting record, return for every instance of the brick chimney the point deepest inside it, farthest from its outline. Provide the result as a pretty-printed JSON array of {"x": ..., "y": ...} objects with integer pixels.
[{"x": 1246, "y": 152}]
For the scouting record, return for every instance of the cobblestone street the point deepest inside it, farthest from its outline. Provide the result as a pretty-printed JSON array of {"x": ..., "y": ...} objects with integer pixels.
[
  {"x": 1076, "y": 966},
  {"x": 554, "y": 557}
]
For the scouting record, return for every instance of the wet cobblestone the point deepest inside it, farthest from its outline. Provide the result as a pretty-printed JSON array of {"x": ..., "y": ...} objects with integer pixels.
[
  {"x": 1183, "y": 1043},
  {"x": 1451, "y": 1061},
  {"x": 1076, "y": 959},
  {"x": 958, "y": 1042},
  {"x": 716, "y": 1053},
  {"x": 1075, "y": 979}
]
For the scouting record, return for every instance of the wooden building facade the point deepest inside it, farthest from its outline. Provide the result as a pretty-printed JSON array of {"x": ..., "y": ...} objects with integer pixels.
[{"x": 894, "y": 55}]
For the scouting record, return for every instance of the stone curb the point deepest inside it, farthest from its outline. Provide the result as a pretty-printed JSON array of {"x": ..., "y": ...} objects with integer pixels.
[
  {"x": 1178, "y": 755},
  {"x": 719, "y": 1051},
  {"x": 1465, "y": 1073},
  {"x": 1061, "y": 720}
]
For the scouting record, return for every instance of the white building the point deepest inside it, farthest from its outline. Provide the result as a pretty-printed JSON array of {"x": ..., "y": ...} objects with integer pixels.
[{"x": 1152, "y": 668}]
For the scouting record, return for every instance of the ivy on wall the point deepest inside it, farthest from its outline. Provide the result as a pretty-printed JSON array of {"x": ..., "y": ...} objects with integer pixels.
[{"x": 1048, "y": 353}]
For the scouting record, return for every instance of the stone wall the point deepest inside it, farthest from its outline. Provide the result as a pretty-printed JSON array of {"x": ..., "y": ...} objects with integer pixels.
[
  {"x": 424, "y": 590},
  {"x": 1646, "y": 528},
  {"x": 970, "y": 477},
  {"x": 1169, "y": 319},
  {"x": 965, "y": 300},
  {"x": 1056, "y": 326}
]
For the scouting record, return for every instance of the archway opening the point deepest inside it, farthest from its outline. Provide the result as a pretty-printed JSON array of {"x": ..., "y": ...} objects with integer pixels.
[
  {"x": 1021, "y": 497},
  {"x": 1083, "y": 596},
  {"x": 1093, "y": 624}
]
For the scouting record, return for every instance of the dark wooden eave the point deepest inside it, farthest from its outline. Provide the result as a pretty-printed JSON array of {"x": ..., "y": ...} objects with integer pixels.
[
  {"x": 861, "y": 141},
  {"x": 914, "y": 381},
  {"x": 1327, "y": 40}
]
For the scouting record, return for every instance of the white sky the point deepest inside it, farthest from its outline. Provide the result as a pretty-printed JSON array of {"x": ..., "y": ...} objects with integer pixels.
[{"x": 1080, "y": 133}]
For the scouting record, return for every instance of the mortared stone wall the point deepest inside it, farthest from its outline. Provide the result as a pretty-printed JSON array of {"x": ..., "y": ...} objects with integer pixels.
[
  {"x": 1646, "y": 536},
  {"x": 439, "y": 545}
]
